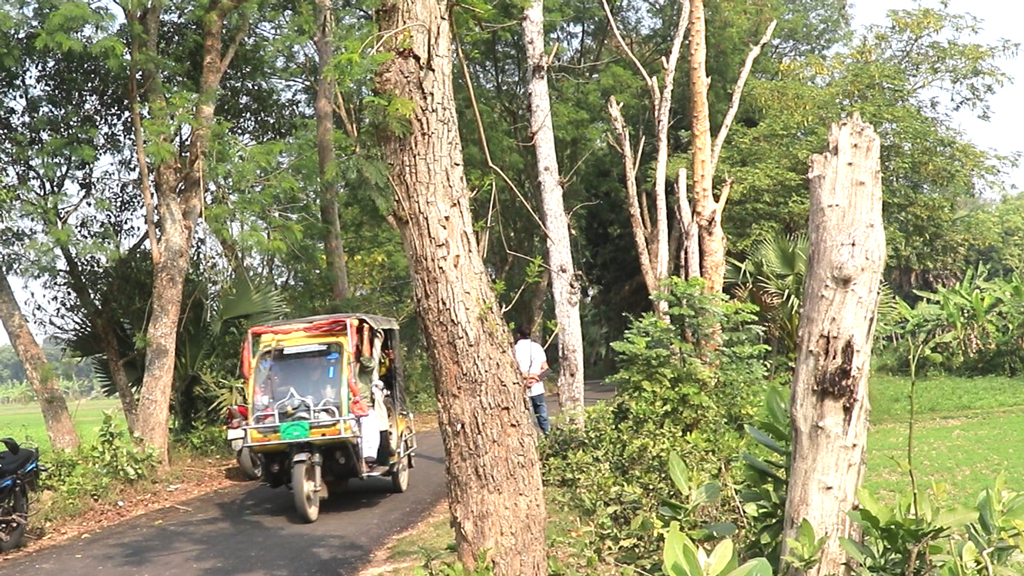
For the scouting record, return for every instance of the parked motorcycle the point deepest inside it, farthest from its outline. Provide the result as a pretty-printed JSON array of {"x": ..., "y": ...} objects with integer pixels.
[{"x": 19, "y": 476}]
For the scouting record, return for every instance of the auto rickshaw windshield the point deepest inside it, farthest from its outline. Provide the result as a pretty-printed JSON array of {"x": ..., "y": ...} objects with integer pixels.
[{"x": 312, "y": 371}]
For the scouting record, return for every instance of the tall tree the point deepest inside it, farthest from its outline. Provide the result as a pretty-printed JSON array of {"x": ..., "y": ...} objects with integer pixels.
[
  {"x": 837, "y": 325},
  {"x": 38, "y": 371},
  {"x": 707, "y": 211},
  {"x": 324, "y": 109},
  {"x": 178, "y": 183},
  {"x": 565, "y": 286},
  {"x": 494, "y": 484}
]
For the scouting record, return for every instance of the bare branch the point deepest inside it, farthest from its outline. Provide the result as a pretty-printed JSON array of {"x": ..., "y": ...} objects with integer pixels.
[
  {"x": 230, "y": 54},
  {"x": 622, "y": 43},
  {"x": 140, "y": 149},
  {"x": 737, "y": 92},
  {"x": 639, "y": 232},
  {"x": 350, "y": 127},
  {"x": 723, "y": 197},
  {"x": 483, "y": 137}
]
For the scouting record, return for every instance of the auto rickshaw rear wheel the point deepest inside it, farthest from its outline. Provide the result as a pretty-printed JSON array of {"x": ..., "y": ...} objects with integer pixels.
[
  {"x": 307, "y": 500},
  {"x": 400, "y": 469},
  {"x": 250, "y": 463}
]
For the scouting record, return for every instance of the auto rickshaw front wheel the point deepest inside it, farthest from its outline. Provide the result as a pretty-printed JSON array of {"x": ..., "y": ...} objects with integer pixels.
[{"x": 307, "y": 499}]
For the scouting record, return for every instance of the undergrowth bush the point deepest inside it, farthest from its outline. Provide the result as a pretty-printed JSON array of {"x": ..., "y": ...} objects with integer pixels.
[
  {"x": 684, "y": 386},
  {"x": 90, "y": 473}
]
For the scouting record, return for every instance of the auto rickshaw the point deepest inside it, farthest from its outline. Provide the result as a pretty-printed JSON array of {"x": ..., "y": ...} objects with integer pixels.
[{"x": 322, "y": 392}]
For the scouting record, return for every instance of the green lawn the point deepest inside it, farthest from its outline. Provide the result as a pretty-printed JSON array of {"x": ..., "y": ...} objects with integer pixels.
[
  {"x": 968, "y": 431},
  {"x": 25, "y": 421}
]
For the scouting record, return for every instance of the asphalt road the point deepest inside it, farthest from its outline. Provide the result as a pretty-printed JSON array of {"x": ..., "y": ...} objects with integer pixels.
[{"x": 252, "y": 530}]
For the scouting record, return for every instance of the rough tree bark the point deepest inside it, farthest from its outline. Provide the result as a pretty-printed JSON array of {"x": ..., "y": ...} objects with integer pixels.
[
  {"x": 180, "y": 189},
  {"x": 323, "y": 107},
  {"x": 38, "y": 371},
  {"x": 494, "y": 484},
  {"x": 565, "y": 286},
  {"x": 830, "y": 387}
]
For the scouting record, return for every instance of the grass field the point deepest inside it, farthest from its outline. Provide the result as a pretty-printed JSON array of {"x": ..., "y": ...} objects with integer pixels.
[
  {"x": 967, "y": 432},
  {"x": 25, "y": 422}
]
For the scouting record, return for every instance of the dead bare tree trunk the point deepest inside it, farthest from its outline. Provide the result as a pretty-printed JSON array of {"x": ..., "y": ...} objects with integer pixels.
[
  {"x": 494, "y": 483},
  {"x": 565, "y": 286},
  {"x": 830, "y": 387},
  {"x": 707, "y": 211},
  {"x": 651, "y": 240},
  {"x": 38, "y": 371},
  {"x": 323, "y": 106}
]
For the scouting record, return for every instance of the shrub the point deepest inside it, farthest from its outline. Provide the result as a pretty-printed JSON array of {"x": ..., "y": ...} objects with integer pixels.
[
  {"x": 686, "y": 385},
  {"x": 91, "y": 472}
]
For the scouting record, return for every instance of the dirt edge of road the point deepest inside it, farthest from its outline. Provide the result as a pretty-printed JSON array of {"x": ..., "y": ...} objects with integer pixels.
[{"x": 380, "y": 562}]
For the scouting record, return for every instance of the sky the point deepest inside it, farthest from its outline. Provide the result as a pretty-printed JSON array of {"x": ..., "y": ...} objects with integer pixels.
[{"x": 1000, "y": 19}]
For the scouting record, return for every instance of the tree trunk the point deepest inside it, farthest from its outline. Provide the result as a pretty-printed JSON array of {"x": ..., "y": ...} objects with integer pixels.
[
  {"x": 179, "y": 213},
  {"x": 324, "y": 108},
  {"x": 103, "y": 325},
  {"x": 652, "y": 243},
  {"x": 565, "y": 286},
  {"x": 705, "y": 216},
  {"x": 38, "y": 371},
  {"x": 108, "y": 340},
  {"x": 830, "y": 386},
  {"x": 494, "y": 484}
]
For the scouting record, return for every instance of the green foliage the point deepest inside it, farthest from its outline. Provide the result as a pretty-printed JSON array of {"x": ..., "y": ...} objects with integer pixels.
[
  {"x": 684, "y": 558},
  {"x": 763, "y": 491},
  {"x": 973, "y": 327},
  {"x": 685, "y": 386},
  {"x": 484, "y": 567},
  {"x": 805, "y": 549},
  {"x": 96, "y": 468},
  {"x": 984, "y": 539},
  {"x": 203, "y": 441}
]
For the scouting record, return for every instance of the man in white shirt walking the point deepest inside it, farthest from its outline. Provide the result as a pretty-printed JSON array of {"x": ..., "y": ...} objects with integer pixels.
[{"x": 533, "y": 364}]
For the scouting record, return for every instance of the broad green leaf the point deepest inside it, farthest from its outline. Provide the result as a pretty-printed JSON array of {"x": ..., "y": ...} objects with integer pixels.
[
  {"x": 757, "y": 567},
  {"x": 680, "y": 556},
  {"x": 719, "y": 558},
  {"x": 677, "y": 470},
  {"x": 766, "y": 441}
]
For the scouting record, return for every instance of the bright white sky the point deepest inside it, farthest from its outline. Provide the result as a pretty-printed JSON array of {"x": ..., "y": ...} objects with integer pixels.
[{"x": 1001, "y": 19}]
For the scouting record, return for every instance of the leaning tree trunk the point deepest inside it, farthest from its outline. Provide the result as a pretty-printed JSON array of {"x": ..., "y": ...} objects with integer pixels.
[
  {"x": 830, "y": 387},
  {"x": 565, "y": 286},
  {"x": 337, "y": 270},
  {"x": 494, "y": 484},
  {"x": 40, "y": 374}
]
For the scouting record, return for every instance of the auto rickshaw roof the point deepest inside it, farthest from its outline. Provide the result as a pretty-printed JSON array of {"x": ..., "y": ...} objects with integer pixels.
[{"x": 379, "y": 322}]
